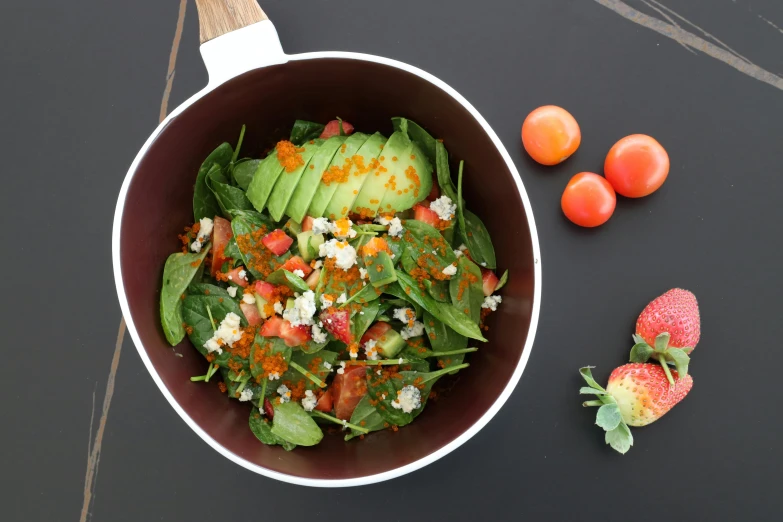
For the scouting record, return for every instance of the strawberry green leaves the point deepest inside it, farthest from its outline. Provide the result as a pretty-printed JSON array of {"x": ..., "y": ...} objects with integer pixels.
[
  {"x": 643, "y": 352},
  {"x": 608, "y": 417}
]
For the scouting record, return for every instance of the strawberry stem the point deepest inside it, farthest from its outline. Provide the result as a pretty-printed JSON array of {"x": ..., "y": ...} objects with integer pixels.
[{"x": 662, "y": 360}]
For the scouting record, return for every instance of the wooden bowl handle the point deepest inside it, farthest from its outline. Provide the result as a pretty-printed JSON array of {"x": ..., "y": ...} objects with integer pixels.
[{"x": 218, "y": 17}]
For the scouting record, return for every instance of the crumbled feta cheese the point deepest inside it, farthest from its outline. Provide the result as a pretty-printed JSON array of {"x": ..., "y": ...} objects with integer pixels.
[
  {"x": 395, "y": 227},
  {"x": 248, "y": 299},
  {"x": 491, "y": 302},
  {"x": 261, "y": 409},
  {"x": 383, "y": 395},
  {"x": 227, "y": 333},
  {"x": 341, "y": 369},
  {"x": 378, "y": 372},
  {"x": 343, "y": 253},
  {"x": 444, "y": 208},
  {"x": 318, "y": 264},
  {"x": 246, "y": 395},
  {"x": 274, "y": 376},
  {"x": 462, "y": 248},
  {"x": 327, "y": 365},
  {"x": 205, "y": 226},
  {"x": 309, "y": 400},
  {"x": 319, "y": 336},
  {"x": 342, "y": 228},
  {"x": 285, "y": 393},
  {"x": 299, "y": 273},
  {"x": 321, "y": 226},
  {"x": 371, "y": 350},
  {"x": 303, "y": 310},
  {"x": 243, "y": 274},
  {"x": 195, "y": 246},
  {"x": 415, "y": 330},
  {"x": 458, "y": 253},
  {"x": 232, "y": 291},
  {"x": 484, "y": 264},
  {"x": 363, "y": 273},
  {"x": 450, "y": 270},
  {"x": 278, "y": 307},
  {"x": 408, "y": 399},
  {"x": 361, "y": 313},
  {"x": 400, "y": 361},
  {"x": 383, "y": 220},
  {"x": 404, "y": 315},
  {"x": 325, "y": 301},
  {"x": 342, "y": 299},
  {"x": 353, "y": 350}
]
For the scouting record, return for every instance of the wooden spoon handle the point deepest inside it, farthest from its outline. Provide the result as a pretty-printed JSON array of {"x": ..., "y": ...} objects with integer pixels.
[{"x": 218, "y": 17}]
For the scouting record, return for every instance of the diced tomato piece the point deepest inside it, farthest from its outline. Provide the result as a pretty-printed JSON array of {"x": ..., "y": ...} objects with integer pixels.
[
  {"x": 294, "y": 335},
  {"x": 325, "y": 402},
  {"x": 233, "y": 276},
  {"x": 424, "y": 214},
  {"x": 297, "y": 263},
  {"x": 268, "y": 409},
  {"x": 278, "y": 242},
  {"x": 265, "y": 290},
  {"x": 251, "y": 314},
  {"x": 348, "y": 389},
  {"x": 338, "y": 323},
  {"x": 307, "y": 223},
  {"x": 434, "y": 193},
  {"x": 375, "y": 245},
  {"x": 489, "y": 280},
  {"x": 312, "y": 280},
  {"x": 333, "y": 129},
  {"x": 221, "y": 234},
  {"x": 272, "y": 327},
  {"x": 375, "y": 332}
]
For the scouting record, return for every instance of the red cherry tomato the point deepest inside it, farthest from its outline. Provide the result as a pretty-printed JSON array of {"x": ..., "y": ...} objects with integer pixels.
[
  {"x": 550, "y": 135},
  {"x": 588, "y": 200},
  {"x": 636, "y": 166}
]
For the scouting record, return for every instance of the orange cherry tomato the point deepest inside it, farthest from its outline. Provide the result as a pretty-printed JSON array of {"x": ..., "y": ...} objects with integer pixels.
[
  {"x": 588, "y": 200},
  {"x": 636, "y": 166},
  {"x": 550, "y": 135}
]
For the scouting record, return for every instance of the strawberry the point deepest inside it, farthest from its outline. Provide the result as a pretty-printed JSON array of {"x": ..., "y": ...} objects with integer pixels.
[
  {"x": 667, "y": 330},
  {"x": 338, "y": 323},
  {"x": 636, "y": 395}
]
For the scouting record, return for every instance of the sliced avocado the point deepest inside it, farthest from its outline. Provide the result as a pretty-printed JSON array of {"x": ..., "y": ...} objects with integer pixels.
[
  {"x": 341, "y": 160},
  {"x": 309, "y": 182},
  {"x": 343, "y": 198},
  {"x": 287, "y": 182},
  {"x": 368, "y": 201},
  {"x": 264, "y": 179},
  {"x": 380, "y": 269},
  {"x": 412, "y": 184},
  {"x": 309, "y": 244},
  {"x": 390, "y": 344}
]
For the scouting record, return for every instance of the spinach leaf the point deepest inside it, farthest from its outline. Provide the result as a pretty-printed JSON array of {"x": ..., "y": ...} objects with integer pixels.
[
  {"x": 262, "y": 429},
  {"x": 383, "y": 389},
  {"x": 396, "y": 245},
  {"x": 204, "y": 202},
  {"x": 313, "y": 347},
  {"x": 426, "y": 247},
  {"x": 270, "y": 346},
  {"x": 178, "y": 272},
  {"x": 439, "y": 290},
  {"x": 502, "y": 281},
  {"x": 443, "y": 339},
  {"x": 418, "y": 135},
  {"x": 229, "y": 198},
  {"x": 444, "y": 175},
  {"x": 289, "y": 279},
  {"x": 364, "y": 318},
  {"x": 466, "y": 289},
  {"x": 444, "y": 312},
  {"x": 306, "y": 361},
  {"x": 243, "y": 172},
  {"x": 303, "y": 131},
  {"x": 397, "y": 291},
  {"x": 293, "y": 424},
  {"x": 366, "y": 416},
  {"x": 367, "y": 294},
  {"x": 244, "y": 224},
  {"x": 474, "y": 233},
  {"x": 232, "y": 251},
  {"x": 196, "y": 315}
]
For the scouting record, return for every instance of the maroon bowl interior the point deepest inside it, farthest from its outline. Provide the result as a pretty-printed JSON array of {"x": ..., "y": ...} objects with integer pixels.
[{"x": 159, "y": 205}]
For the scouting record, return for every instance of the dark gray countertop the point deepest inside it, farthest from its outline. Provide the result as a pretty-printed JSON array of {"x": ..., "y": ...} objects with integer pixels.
[{"x": 81, "y": 91}]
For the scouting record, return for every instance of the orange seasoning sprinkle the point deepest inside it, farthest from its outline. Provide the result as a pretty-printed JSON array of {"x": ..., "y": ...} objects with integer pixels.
[
  {"x": 222, "y": 387},
  {"x": 289, "y": 155}
]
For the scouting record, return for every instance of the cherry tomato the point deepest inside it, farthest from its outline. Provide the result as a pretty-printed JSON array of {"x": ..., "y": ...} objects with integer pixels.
[
  {"x": 588, "y": 200},
  {"x": 636, "y": 166},
  {"x": 550, "y": 135}
]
